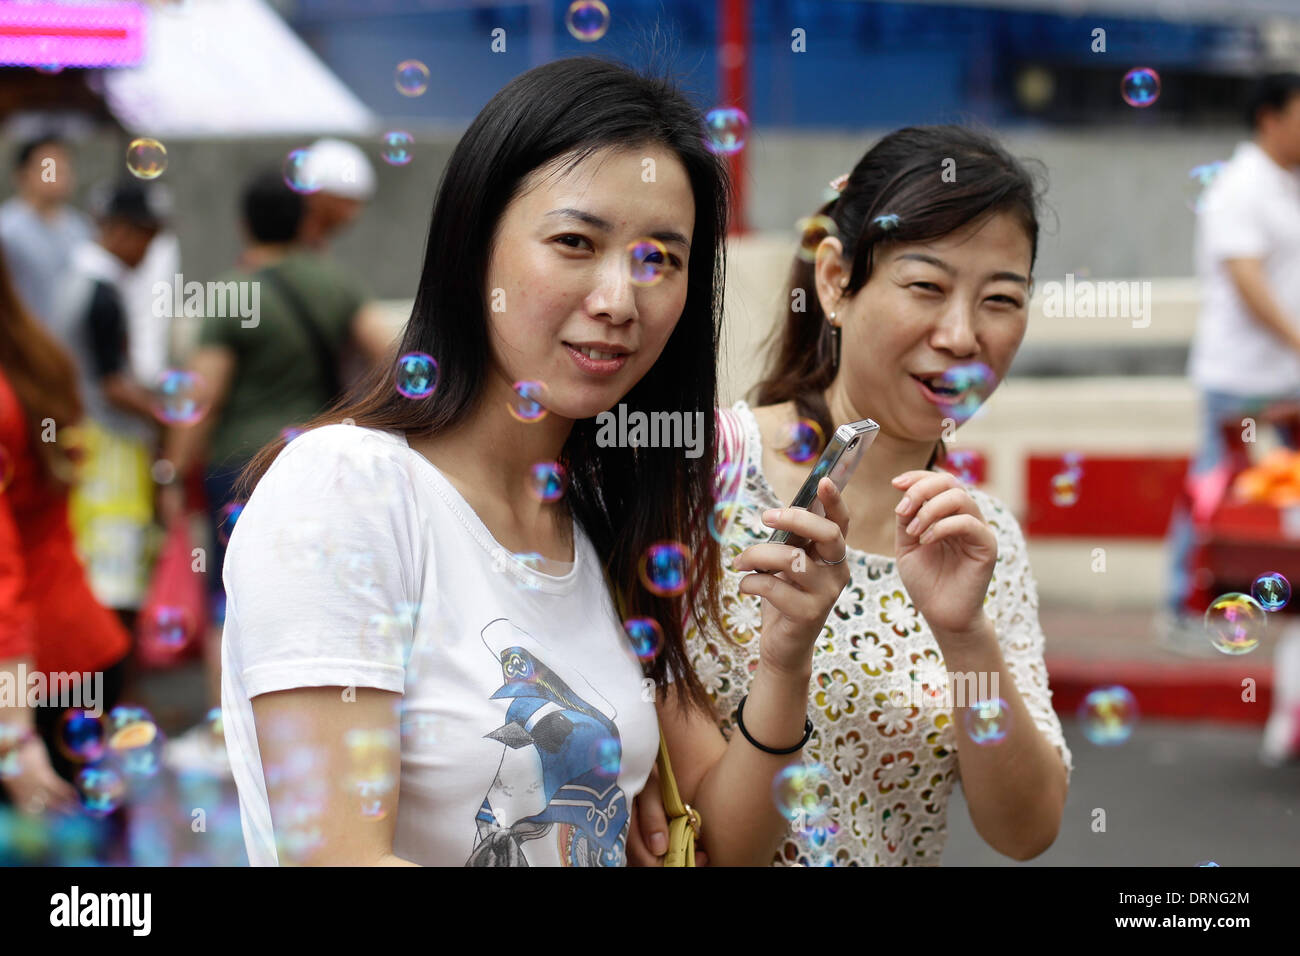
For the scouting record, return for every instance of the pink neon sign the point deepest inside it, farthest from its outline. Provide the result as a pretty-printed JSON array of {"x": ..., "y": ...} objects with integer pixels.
[{"x": 44, "y": 34}]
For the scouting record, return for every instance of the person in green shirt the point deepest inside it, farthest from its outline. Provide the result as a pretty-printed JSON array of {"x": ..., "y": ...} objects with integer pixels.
[{"x": 267, "y": 360}]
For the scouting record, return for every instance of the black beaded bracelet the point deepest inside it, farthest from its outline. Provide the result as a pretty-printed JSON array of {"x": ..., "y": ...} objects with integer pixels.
[{"x": 740, "y": 722}]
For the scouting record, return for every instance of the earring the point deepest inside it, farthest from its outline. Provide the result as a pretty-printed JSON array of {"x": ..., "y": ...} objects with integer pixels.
[{"x": 835, "y": 343}]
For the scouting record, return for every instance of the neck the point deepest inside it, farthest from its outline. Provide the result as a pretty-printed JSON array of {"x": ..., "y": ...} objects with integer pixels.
[
  {"x": 1274, "y": 152},
  {"x": 265, "y": 253},
  {"x": 45, "y": 208},
  {"x": 869, "y": 497}
]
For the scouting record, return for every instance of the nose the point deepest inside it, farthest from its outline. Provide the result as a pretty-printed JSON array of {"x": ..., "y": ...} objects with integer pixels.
[
  {"x": 614, "y": 297},
  {"x": 955, "y": 331}
]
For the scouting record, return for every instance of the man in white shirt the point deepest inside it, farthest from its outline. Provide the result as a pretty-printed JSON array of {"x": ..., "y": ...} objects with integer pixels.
[{"x": 1246, "y": 353}]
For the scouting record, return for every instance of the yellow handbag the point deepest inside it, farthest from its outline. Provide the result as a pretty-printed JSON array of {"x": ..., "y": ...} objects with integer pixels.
[{"x": 683, "y": 820}]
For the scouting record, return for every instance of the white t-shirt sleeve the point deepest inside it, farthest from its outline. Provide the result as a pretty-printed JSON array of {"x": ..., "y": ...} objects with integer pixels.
[
  {"x": 1232, "y": 225},
  {"x": 324, "y": 567},
  {"x": 1012, "y": 604}
]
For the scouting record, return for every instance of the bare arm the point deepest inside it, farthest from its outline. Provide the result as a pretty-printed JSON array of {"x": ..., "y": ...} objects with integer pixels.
[
  {"x": 309, "y": 738},
  {"x": 1249, "y": 277},
  {"x": 215, "y": 367}
]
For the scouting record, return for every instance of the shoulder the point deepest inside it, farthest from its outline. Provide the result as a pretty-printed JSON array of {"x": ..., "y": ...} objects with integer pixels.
[{"x": 340, "y": 458}]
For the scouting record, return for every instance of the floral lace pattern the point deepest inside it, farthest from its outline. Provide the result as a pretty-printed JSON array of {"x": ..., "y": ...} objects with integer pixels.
[{"x": 892, "y": 765}]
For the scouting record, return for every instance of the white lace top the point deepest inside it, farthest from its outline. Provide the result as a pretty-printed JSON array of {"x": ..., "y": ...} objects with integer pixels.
[{"x": 892, "y": 766}]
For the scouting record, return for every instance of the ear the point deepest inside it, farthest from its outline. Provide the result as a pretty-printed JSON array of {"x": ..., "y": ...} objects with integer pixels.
[{"x": 831, "y": 274}]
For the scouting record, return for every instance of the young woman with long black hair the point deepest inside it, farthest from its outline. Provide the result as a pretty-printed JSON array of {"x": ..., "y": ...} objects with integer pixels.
[{"x": 402, "y": 681}]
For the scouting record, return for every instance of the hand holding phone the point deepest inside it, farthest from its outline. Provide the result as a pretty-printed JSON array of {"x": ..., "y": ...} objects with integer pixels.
[{"x": 838, "y": 461}]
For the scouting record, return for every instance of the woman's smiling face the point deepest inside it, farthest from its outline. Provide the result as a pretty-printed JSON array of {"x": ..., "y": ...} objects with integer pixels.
[
  {"x": 927, "y": 307},
  {"x": 559, "y": 277}
]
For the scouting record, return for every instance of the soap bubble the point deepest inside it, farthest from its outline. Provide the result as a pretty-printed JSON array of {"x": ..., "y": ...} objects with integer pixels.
[
  {"x": 647, "y": 636},
  {"x": 1198, "y": 181},
  {"x": 1235, "y": 623},
  {"x": 802, "y": 441},
  {"x": 397, "y": 147},
  {"x": 727, "y": 128},
  {"x": 146, "y": 158},
  {"x": 664, "y": 568},
  {"x": 1140, "y": 87},
  {"x": 647, "y": 261},
  {"x": 587, "y": 20},
  {"x": 298, "y": 173},
  {"x": 988, "y": 721},
  {"x": 548, "y": 481},
  {"x": 417, "y": 375},
  {"x": 1271, "y": 590},
  {"x": 101, "y": 790},
  {"x": 1108, "y": 715},
  {"x": 802, "y": 792},
  {"x": 178, "y": 398},
  {"x": 412, "y": 78},
  {"x": 526, "y": 405},
  {"x": 80, "y": 736},
  {"x": 812, "y": 230}
]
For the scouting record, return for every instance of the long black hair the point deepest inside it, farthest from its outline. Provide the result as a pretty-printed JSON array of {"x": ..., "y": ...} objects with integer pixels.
[
  {"x": 625, "y": 499},
  {"x": 901, "y": 178}
]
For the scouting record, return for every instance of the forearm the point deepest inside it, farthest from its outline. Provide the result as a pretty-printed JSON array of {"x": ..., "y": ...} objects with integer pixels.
[
  {"x": 742, "y": 826},
  {"x": 183, "y": 446},
  {"x": 1015, "y": 788},
  {"x": 1252, "y": 285}
]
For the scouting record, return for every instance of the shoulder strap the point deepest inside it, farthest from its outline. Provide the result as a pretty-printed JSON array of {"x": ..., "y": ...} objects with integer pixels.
[{"x": 325, "y": 357}]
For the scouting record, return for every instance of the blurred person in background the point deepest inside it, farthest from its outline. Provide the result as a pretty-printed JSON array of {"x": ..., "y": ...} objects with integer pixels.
[
  {"x": 346, "y": 181},
  {"x": 39, "y": 230},
  {"x": 49, "y": 620},
  {"x": 1246, "y": 351},
  {"x": 112, "y": 506},
  {"x": 260, "y": 376}
]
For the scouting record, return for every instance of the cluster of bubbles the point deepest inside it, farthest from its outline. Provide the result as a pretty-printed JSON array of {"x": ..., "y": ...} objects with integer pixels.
[
  {"x": 988, "y": 721},
  {"x": 971, "y": 383},
  {"x": 549, "y": 479},
  {"x": 369, "y": 780},
  {"x": 1235, "y": 623},
  {"x": 416, "y": 375},
  {"x": 664, "y": 568},
  {"x": 116, "y": 752},
  {"x": 1140, "y": 87},
  {"x": 726, "y": 129},
  {"x": 1108, "y": 715},
  {"x": 146, "y": 158},
  {"x": 647, "y": 260},
  {"x": 1065, "y": 483},
  {"x": 397, "y": 147},
  {"x": 812, "y": 230},
  {"x": 178, "y": 398},
  {"x": 298, "y": 172},
  {"x": 802, "y": 793},
  {"x": 802, "y": 441},
  {"x": 412, "y": 78},
  {"x": 646, "y": 635},
  {"x": 587, "y": 20},
  {"x": 526, "y": 403}
]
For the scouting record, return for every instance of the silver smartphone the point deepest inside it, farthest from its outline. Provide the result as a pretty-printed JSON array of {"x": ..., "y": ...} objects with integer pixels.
[{"x": 837, "y": 461}]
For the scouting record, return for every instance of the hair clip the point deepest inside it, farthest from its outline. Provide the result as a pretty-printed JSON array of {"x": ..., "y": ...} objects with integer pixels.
[{"x": 839, "y": 182}]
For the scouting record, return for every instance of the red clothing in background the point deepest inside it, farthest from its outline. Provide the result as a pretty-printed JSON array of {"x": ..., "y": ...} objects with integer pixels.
[{"x": 47, "y": 610}]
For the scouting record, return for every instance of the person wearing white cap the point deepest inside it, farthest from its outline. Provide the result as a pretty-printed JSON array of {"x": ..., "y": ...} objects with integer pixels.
[{"x": 347, "y": 182}]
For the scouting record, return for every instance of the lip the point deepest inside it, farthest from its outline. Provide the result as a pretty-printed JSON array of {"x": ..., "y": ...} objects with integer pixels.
[
  {"x": 602, "y": 347},
  {"x": 935, "y": 398},
  {"x": 596, "y": 366}
]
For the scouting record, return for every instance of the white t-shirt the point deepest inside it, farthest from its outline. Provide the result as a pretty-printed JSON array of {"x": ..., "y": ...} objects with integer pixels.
[
  {"x": 525, "y": 732},
  {"x": 1250, "y": 211}
]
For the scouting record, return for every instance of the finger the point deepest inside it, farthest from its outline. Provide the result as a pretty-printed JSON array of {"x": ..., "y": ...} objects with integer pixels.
[
  {"x": 923, "y": 490},
  {"x": 701, "y": 858},
  {"x": 908, "y": 478},
  {"x": 803, "y": 523},
  {"x": 785, "y": 597},
  {"x": 637, "y": 852},
  {"x": 957, "y": 526},
  {"x": 652, "y": 821},
  {"x": 951, "y": 502},
  {"x": 769, "y": 556},
  {"x": 833, "y": 502}
]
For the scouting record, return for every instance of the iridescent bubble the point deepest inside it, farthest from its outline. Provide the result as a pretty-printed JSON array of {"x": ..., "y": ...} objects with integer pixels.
[
  {"x": 647, "y": 261},
  {"x": 397, "y": 147},
  {"x": 166, "y": 627},
  {"x": 728, "y": 479},
  {"x": 134, "y": 741},
  {"x": 549, "y": 481},
  {"x": 802, "y": 441},
  {"x": 1271, "y": 590},
  {"x": 526, "y": 403},
  {"x": 728, "y": 128},
  {"x": 298, "y": 173},
  {"x": 988, "y": 721},
  {"x": 1107, "y": 715},
  {"x": 1065, "y": 488},
  {"x": 1198, "y": 181},
  {"x": 80, "y": 736},
  {"x": 812, "y": 230},
  {"x": 608, "y": 757},
  {"x": 1235, "y": 623},
  {"x": 101, "y": 789},
  {"x": 215, "y": 724},
  {"x": 371, "y": 753},
  {"x": 178, "y": 398},
  {"x": 665, "y": 568},
  {"x": 888, "y": 222},
  {"x": 146, "y": 158},
  {"x": 417, "y": 375},
  {"x": 587, "y": 20},
  {"x": 802, "y": 792},
  {"x": 9, "y": 765},
  {"x": 724, "y": 515},
  {"x": 1140, "y": 87},
  {"x": 962, "y": 389},
  {"x": 289, "y": 434},
  {"x": 227, "y": 518},
  {"x": 412, "y": 78},
  {"x": 647, "y": 636},
  {"x": 963, "y": 463}
]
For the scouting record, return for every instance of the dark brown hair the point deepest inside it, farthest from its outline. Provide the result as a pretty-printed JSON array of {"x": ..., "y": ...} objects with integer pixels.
[
  {"x": 43, "y": 377},
  {"x": 901, "y": 176},
  {"x": 625, "y": 499}
]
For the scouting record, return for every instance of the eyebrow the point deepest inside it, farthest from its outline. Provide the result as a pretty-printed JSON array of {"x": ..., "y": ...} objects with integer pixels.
[
  {"x": 591, "y": 219},
  {"x": 922, "y": 257}
]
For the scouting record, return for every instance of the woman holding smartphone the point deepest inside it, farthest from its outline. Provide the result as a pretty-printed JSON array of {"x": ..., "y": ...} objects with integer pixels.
[
  {"x": 452, "y": 617},
  {"x": 923, "y": 283}
]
